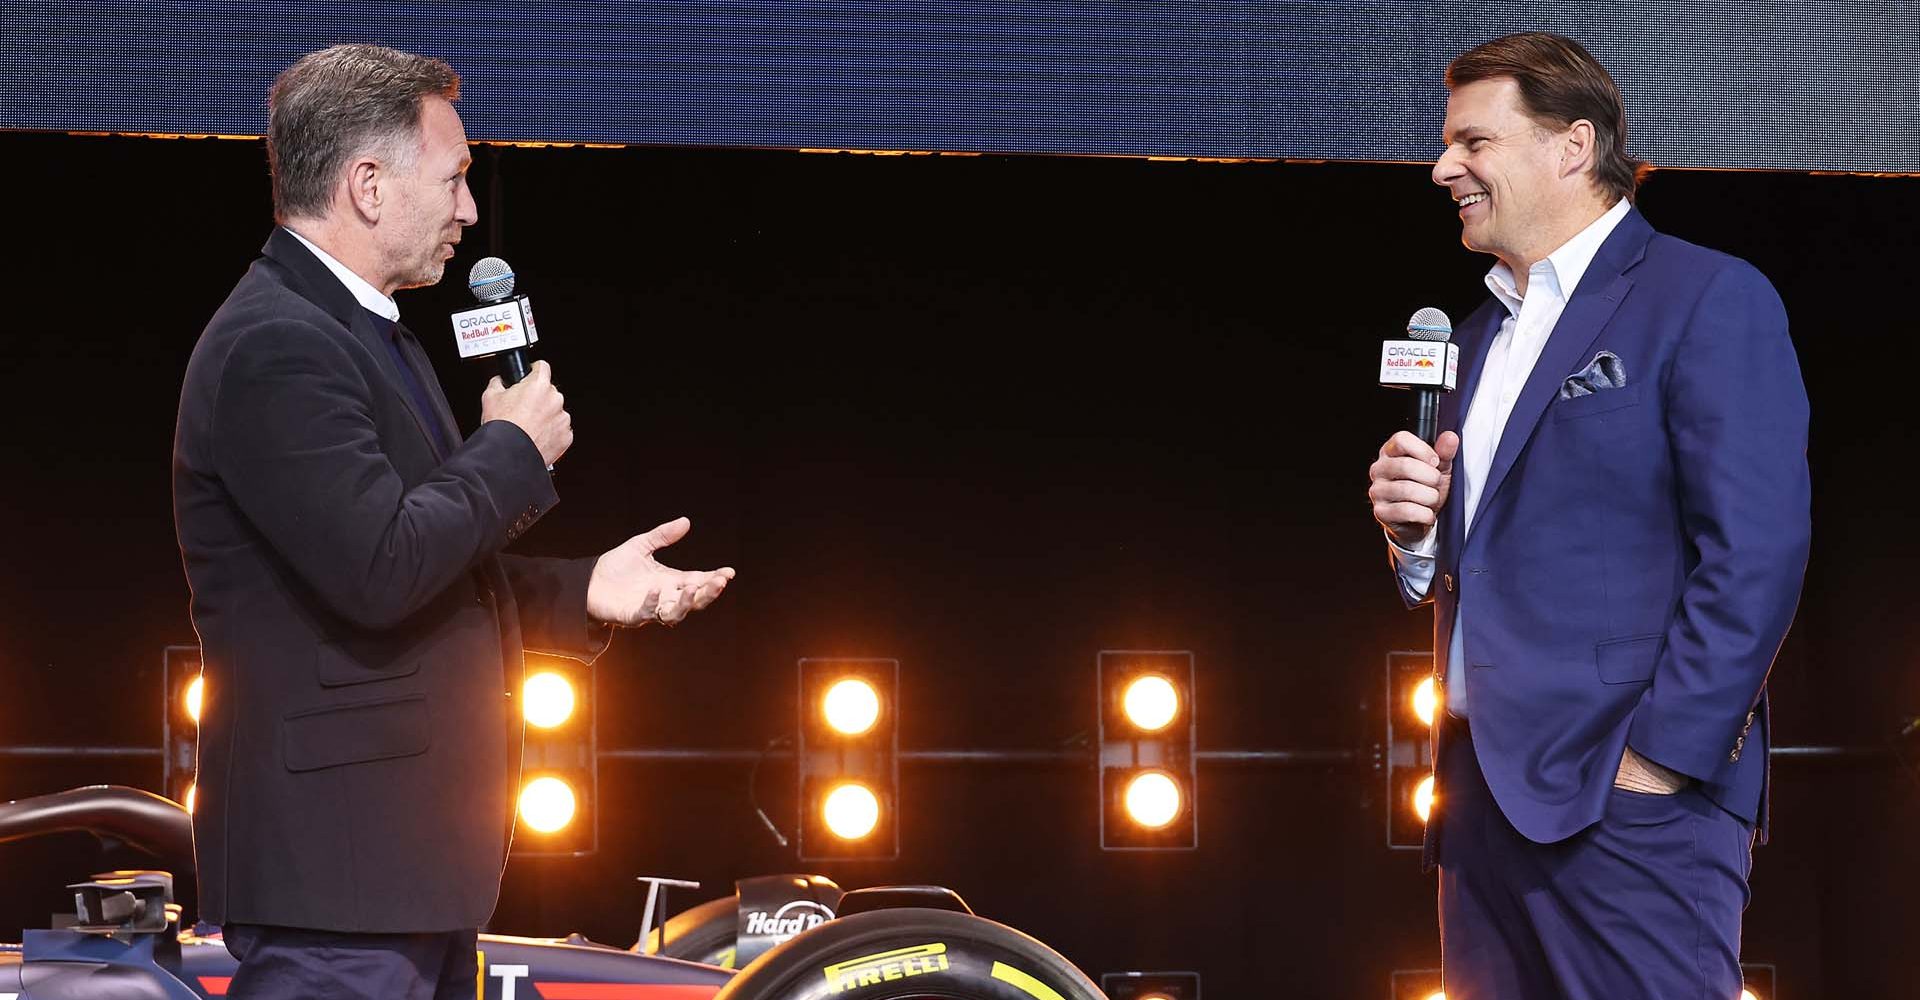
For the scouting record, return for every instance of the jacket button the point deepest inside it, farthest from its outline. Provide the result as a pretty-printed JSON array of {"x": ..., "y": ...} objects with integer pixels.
[{"x": 1446, "y": 580}]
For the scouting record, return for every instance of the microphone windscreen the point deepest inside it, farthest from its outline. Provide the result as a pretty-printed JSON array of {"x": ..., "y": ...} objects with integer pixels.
[
  {"x": 490, "y": 280},
  {"x": 1429, "y": 324}
]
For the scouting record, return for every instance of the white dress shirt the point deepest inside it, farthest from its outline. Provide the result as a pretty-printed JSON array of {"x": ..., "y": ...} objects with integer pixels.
[
  {"x": 1522, "y": 336},
  {"x": 367, "y": 295}
]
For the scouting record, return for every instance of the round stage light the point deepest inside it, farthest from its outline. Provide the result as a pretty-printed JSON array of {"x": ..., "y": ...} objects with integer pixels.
[
  {"x": 1423, "y": 798},
  {"x": 851, "y": 811},
  {"x": 196, "y": 692},
  {"x": 546, "y": 804},
  {"x": 1437, "y": 995},
  {"x": 547, "y": 700},
  {"x": 1426, "y": 700},
  {"x": 1153, "y": 799},
  {"x": 851, "y": 706},
  {"x": 193, "y": 792},
  {"x": 1748, "y": 995},
  {"x": 1151, "y": 702}
]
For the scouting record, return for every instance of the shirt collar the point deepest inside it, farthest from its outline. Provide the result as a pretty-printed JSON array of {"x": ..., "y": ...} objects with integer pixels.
[
  {"x": 1561, "y": 272},
  {"x": 368, "y": 296}
]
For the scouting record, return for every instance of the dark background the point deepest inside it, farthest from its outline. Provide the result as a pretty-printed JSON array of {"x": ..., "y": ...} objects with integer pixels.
[{"x": 988, "y": 415}]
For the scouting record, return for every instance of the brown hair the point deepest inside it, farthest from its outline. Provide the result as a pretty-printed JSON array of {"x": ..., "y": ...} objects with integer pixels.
[
  {"x": 1560, "y": 83},
  {"x": 338, "y": 103}
]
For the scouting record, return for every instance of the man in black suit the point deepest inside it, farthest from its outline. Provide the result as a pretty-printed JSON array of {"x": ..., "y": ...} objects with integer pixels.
[{"x": 360, "y": 626}]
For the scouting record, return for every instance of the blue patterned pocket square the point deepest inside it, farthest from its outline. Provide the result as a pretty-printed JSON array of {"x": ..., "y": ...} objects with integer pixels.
[{"x": 1604, "y": 372}]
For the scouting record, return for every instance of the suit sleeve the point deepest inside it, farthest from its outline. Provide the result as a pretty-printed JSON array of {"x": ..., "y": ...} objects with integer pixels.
[
  {"x": 297, "y": 447},
  {"x": 552, "y": 596},
  {"x": 1737, "y": 425}
]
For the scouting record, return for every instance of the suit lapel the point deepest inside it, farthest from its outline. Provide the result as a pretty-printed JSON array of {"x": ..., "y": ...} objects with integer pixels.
[{"x": 1600, "y": 292}]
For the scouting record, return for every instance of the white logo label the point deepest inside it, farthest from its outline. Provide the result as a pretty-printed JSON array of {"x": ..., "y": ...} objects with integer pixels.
[
  {"x": 793, "y": 918},
  {"x": 1419, "y": 363},
  {"x": 508, "y": 975},
  {"x": 491, "y": 329}
]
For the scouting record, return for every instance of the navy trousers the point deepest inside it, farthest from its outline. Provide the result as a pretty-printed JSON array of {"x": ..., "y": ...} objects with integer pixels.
[
  {"x": 1644, "y": 904},
  {"x": 286, "y": 963}
]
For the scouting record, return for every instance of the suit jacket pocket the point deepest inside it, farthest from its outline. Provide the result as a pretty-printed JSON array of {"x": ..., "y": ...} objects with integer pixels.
[
  {"x": 363, "y": 731},
  {"x": 1629, "y": 660},
  {"x": 339, "y": 666},
  {"x": 1602, "y": 401}
]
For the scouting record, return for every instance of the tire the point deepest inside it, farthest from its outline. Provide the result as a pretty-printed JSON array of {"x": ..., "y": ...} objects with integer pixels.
[
  {"x": 911, "y": 952},
  {"x": 704, "y": 933}
]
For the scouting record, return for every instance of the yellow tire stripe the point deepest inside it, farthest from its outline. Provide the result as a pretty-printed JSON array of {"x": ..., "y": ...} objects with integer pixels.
[{"x": 1031, "y": 986}]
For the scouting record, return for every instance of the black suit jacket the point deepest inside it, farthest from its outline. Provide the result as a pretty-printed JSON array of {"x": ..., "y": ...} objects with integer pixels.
[{"x": 360, "y": 630}]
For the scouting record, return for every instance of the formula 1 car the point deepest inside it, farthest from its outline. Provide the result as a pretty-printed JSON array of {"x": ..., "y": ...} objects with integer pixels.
[{"x": 128, "y": 940}]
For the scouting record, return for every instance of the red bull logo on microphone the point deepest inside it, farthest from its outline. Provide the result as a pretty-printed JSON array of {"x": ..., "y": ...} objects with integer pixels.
[{"x": 491, "y": 329}]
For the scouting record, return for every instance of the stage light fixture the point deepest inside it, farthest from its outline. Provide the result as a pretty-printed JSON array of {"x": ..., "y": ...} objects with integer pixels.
[
  {"x": 1151, "y": 702},
  {"x": 559, "y": 803},
  {"x": 848, "y": 746},
  {"x": 1415, "y": 984},
  {"x": 1413, "y": 700},
  {"x": 1153, "y": 799},
  {"x": 547, "y": 804},
  {"x": 1151, "y": 985},
  {"x": 1423, "y": 798},
  {"x": 1758, "y": 980},
  {"x": 1426, "y": 700},
  {"x": 851, "y": 811},
  {"x": 1146, "y": 732},
  {"x": 547, "y": 700},
  {"x": 851, "y": 706},
  {"x": 184, "y": 698}
]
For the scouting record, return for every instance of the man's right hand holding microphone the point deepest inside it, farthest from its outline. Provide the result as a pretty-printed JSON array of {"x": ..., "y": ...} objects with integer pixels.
[
  {"x": 1410, "y": 484},
  {"x": 534, "y": 406}
]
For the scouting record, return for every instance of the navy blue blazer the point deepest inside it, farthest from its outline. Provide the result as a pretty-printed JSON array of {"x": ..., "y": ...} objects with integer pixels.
[{"x": 1638, "y": 551}]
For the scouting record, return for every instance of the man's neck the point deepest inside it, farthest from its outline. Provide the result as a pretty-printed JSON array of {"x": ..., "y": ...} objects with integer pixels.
[
  {"x": 357, "y": 255},
  {"x": 1569, "y": 225}
]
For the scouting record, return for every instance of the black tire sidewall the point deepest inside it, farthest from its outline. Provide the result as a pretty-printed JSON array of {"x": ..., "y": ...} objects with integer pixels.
[
  {"x": 699, "y": 933},
  {"x": 797, "y": 969}
]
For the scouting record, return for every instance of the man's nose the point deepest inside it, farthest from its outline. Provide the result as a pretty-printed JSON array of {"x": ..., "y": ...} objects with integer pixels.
[{"x": 465, "y": 211}]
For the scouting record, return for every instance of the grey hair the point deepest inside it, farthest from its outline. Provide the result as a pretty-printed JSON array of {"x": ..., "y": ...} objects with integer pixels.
[{"x": 339, "y": 103}]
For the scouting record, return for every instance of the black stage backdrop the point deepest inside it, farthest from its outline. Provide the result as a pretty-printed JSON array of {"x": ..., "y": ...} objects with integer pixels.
[{"x": 988, "y": 415}]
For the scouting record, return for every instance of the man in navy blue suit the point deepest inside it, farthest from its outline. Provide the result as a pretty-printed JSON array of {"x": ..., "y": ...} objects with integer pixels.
[{"x": 1612, "y": 529}]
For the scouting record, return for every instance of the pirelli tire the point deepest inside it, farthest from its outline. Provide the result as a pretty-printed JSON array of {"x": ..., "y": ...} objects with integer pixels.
[
  {"x": 706, "y": 933},
  {"x": 889, "y": 954}
]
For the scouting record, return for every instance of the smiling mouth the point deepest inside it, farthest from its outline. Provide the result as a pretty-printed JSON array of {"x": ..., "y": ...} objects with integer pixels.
[{"x": 1468, "y": 201}]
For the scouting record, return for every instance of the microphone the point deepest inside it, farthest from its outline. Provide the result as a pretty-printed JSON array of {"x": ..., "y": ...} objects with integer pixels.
[
  {"x": 1426, "y": 362},
  {"x": 501, "y": 325}
]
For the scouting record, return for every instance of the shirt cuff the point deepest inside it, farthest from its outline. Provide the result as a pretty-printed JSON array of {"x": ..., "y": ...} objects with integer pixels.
[{"x": 1415, "y": 565}]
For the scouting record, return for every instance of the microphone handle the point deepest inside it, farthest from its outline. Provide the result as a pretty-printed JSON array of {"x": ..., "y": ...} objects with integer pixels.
[
  {"x": 513, "y": 366},
  {"x": 1426, "y": 414}
]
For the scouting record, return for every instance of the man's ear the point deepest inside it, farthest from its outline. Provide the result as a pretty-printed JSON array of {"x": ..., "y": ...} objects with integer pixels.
[
  {"x": 365, "y": 177},
  {"x": 1577, "y": 148}
]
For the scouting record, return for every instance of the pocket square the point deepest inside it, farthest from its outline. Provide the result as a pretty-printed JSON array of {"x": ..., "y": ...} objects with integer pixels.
[{"x": 1604, "y": 372}]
